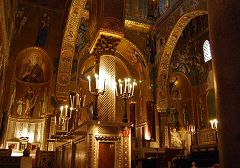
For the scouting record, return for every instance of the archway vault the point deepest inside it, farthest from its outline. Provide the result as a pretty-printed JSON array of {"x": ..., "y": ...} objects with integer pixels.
[
  {"x": 162, "y": 79},
  {"x": 134, "y": 56}
]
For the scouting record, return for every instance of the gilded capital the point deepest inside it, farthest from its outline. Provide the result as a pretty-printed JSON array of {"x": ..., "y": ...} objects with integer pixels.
[{"x": 106, "y": 45}]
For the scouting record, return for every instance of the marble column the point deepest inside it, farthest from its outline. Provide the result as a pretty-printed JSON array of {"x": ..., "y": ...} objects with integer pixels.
[{"x": 224, "y": 29}]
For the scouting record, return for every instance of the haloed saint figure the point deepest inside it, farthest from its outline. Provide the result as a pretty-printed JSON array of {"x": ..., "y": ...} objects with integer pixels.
[{"x": 32, "y": 71}]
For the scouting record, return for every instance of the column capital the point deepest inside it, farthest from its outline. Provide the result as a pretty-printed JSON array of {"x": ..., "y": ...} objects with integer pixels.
[{"x": 106, "y": 45}]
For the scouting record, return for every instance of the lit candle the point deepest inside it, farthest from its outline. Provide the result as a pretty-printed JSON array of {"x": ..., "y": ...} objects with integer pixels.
[
  {"x": 119, "y": 84},
  {"x": 61, "y": 109},
  {"x": 84, "y": 98},
  {"x": 214, "y": 123},
  {"x": 97, "y": 82},
  {"x": 60, "y": 117},
  {"x": 193, "y": 128},
  {"x": 66, "y": 110},
  {"x": 71, "y": 103},
  {"x": 121, "y": 88},
  {"x": 116, "y": 90},
  {"x": 130, "y": 90},
  {"x": 125, "y": 87},
  {"x": 77, "y": 100},
  {"x": 134, "y": 83},
  {"x": 71, "y": 112},
  {"x": 89, "y": 83},
  {"x": 211, "y": 121},
  {"x": 80, "y": 100},
  {"x": 128, "y": 87}
]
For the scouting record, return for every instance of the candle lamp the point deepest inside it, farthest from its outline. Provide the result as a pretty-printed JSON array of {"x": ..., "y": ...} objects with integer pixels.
[
  {"x": 77, "y": 103},
  {"x": 63, "y": 118},
  {"x": 214, "y": 126},
  {"x": 69, "y": 115},
  {"x": 98, "y": 90},
  {"x": 191, "y": 130},
  {"x": 125, "y": 90}
]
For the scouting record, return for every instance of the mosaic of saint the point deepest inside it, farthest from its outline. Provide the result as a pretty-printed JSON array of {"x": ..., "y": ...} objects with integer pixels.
[{"x": 32, "y": 70}]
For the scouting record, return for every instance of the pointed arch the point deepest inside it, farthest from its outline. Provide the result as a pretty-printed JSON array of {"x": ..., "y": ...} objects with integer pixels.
[
  {"x": 124, "y": 47},
  {"x": 207, "y": 51}
]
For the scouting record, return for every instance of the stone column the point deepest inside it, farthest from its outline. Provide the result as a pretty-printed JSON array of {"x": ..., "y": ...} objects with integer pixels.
[{"x": 224, "y": 28}]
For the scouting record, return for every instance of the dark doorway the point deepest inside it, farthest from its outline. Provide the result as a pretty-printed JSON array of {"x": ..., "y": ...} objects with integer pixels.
[{"x": 106, "y": 154}]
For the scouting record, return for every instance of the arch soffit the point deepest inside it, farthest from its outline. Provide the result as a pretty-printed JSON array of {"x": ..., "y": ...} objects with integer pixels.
[
  {"x": 125, "y": 64},
  {"x": 174, "y": 36},
  {"x": 183, "y": 76},
  {"x": 131, "y": 52},
  {"x": 185, "y": 81},
  {"x": 167, "y": 53}
]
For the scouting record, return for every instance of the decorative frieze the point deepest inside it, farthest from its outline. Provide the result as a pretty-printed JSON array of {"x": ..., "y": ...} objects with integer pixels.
[{"x": 107, "y": 138}]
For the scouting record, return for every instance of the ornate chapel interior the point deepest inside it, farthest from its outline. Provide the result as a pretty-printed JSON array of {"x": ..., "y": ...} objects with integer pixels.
[{"x": 119, "y": 83}]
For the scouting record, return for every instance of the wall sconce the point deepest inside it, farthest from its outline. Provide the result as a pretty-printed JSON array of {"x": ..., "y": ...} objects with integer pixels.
[
  {"x": 64, "y": 117},
  {"x": 191, "y": 130},
  {"x": 125, "y": 90},
  {"x": 98, "y": 90},
  {"x": 214, "y": 126},
  {"x": 147, "y": 137},
  {"x": 77, "y": 103}
]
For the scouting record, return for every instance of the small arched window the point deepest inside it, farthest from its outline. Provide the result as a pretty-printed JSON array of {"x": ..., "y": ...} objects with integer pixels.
[{"x": 207, "y": 51}]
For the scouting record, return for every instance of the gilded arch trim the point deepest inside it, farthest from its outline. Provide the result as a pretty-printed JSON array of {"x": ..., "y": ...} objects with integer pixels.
[
  {"x": 122, "y": 49},
  {"x": 68, "y": 48},
  {"x": 163, "y": 71}
]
